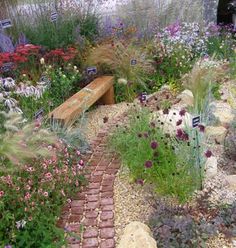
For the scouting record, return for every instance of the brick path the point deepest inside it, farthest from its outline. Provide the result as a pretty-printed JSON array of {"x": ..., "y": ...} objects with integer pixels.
[{"x": 93, "y": 207}]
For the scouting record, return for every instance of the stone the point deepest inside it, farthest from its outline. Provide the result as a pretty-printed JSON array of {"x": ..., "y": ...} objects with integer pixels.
[
  {"x": 222, "y": 111},
  {"x": 231, "y": 179},
  {"x": 211, "y": 167},
  {"x": 108, "y": 243},
  {"x": 91, "y": 232},
  {"x": 107, "y": 232},
  {"x": 216, "y": 133},
  {"x": 137, "y": 235},
  {"x": 186, "y": 98}
]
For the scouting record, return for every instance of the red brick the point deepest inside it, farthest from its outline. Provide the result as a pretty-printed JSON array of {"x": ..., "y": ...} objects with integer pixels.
[
  {"x": 107, "y": 223},
  {"x": 80, "y": 196},
  {"x": 77, "y": 203},
  {"x": 96, "y": 179},
  {"x": 77, "y": 210},
  {"x": 111, "y": 171},
  {"x": 90, "y": 232},
  {"x": 107, "y": 188},
  {"x": 65, "y": 209},
  {"x": 107, "y": 215},
  {"x": 94, "y": 185},
  {"x": 92, "y": 205},
  {"x": 89, "y": 222},
  {"x": 90, "y": 243},
  {"x": 107, "y": 201},
  {"x": 107, "y": 194},
  {"x": 92, "y": 191},
  {"x": 108, "y": 243},
  {"x": 97, "y": 173},
  {"x": 107, "y": 182},
  {"x": 74, "y": 228},
  {"x": 61, "y": 223},
  {"x": 91, "y": 214},
  {"x": 101, "y": 168},
  {"x": 108, "y": 232},
  {"x": 114, "y": 165},
  {"x": 73, "y": 240},
  {"x": 75, "y": 218},
  {"x": 75, "y": 246},
  {"x": 92, "y": 198}
]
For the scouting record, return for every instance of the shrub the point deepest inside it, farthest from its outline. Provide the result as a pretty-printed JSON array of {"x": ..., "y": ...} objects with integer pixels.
[{"x": 153, "y": 156}]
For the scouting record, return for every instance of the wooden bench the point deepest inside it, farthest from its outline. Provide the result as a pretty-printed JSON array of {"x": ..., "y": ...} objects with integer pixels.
[{"x": 101, "y": 88}]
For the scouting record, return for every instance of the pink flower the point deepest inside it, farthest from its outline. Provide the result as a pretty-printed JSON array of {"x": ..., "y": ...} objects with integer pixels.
[
  {"x": 27, "y": 196},
  {"x": 81, "y": 162},
  {"x": 78, "y": 153},
  {"x": 1, "y": 193},
  {"x": 48, "y": 175},
  {"x": 208, "y": 154},
  {"x": 27, "y": 187},
  {"x": 45, "y": 194}
]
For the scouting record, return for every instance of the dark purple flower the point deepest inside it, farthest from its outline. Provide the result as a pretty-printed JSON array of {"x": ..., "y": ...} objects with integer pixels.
[
  {"x": 182, "y": 135},
  {"x": 208, "y": 154},
  {"x": 7, "y": 246},
  {"x": 154, "y": 145},
  {"x": 140, "y": 135},
  {"x": 140, "y": 181},
  {"x": 182, "y": 112},
  {"x": 179, "y": 122},
  {"x": 152, "y": 124},
  {"x": 201, "y": 128},
  {"x": 166, "y": 111},
  {"x": 145, "y": 135},
  {"x": 148, "y": 164}
]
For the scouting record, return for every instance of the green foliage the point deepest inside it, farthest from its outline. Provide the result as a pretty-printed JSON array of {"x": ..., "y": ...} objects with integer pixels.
[
  {"x": 173, "y": 170},
  {"x": 63, "y": 84}
]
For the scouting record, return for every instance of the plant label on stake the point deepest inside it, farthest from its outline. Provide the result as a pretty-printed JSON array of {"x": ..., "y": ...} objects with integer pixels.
[
  {"x": 39, "y": 114},
  {"x": 133, "y": 62},
  {"x": 92, "y": 70},
  {"x": 6, "y": 23},
  {"x": 54, "y": 16},
  {"x": 196, "y": 121}
]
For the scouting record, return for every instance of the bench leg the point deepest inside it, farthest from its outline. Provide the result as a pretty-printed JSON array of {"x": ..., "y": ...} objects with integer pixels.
[{"x": 109, "y": 97}]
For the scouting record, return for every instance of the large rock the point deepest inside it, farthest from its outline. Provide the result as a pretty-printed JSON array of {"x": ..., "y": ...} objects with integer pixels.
[
  {"x": 186, "y": 98},
  {"x": 222, "y": 112},
  {"x": 211, "y": 167},
  {"x": 137, "y": 235},
  {"x": 217, "y": 134}
]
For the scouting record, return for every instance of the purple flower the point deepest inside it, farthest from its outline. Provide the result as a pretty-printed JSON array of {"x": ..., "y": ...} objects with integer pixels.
[
  {"x": 182, "y": 135},
  {"x": 208, "y": 154},
  {"x": 145, "y": 135},
  {"x": 201, "y": 128},
  {"x": 154, "y": 145},
  {"x": 182, "y": 112},
  {"x": 148, "y": 164},
  {"x": 179, "y": 122},
  {"x": 140, "y": 181},
  {"x": 7, "y": 246},
  {"x": 166, "y": 111}
]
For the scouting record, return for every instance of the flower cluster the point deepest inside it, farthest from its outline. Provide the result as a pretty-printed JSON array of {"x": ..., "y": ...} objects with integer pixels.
[{"x": 40, "y": 187}]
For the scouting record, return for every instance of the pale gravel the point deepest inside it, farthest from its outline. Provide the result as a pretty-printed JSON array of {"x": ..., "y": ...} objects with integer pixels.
[{"x": 133, "y": 202}]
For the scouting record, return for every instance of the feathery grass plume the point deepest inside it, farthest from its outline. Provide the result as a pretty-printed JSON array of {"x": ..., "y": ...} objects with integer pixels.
[
  {"x": 117, "y": 58},
  {"x": 199, "y": 81},
  {"x": 20, "y": 142}
]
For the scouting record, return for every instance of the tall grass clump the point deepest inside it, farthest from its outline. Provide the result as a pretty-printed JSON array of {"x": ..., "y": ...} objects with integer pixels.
[
  {"x": 155, "y": 157},
  {"x": 32, "y": 18},
  {"x": 116, "y": 59}
]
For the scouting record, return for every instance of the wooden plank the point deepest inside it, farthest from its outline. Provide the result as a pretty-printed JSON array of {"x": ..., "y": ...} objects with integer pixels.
[{"x": 81, "y": 101}]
